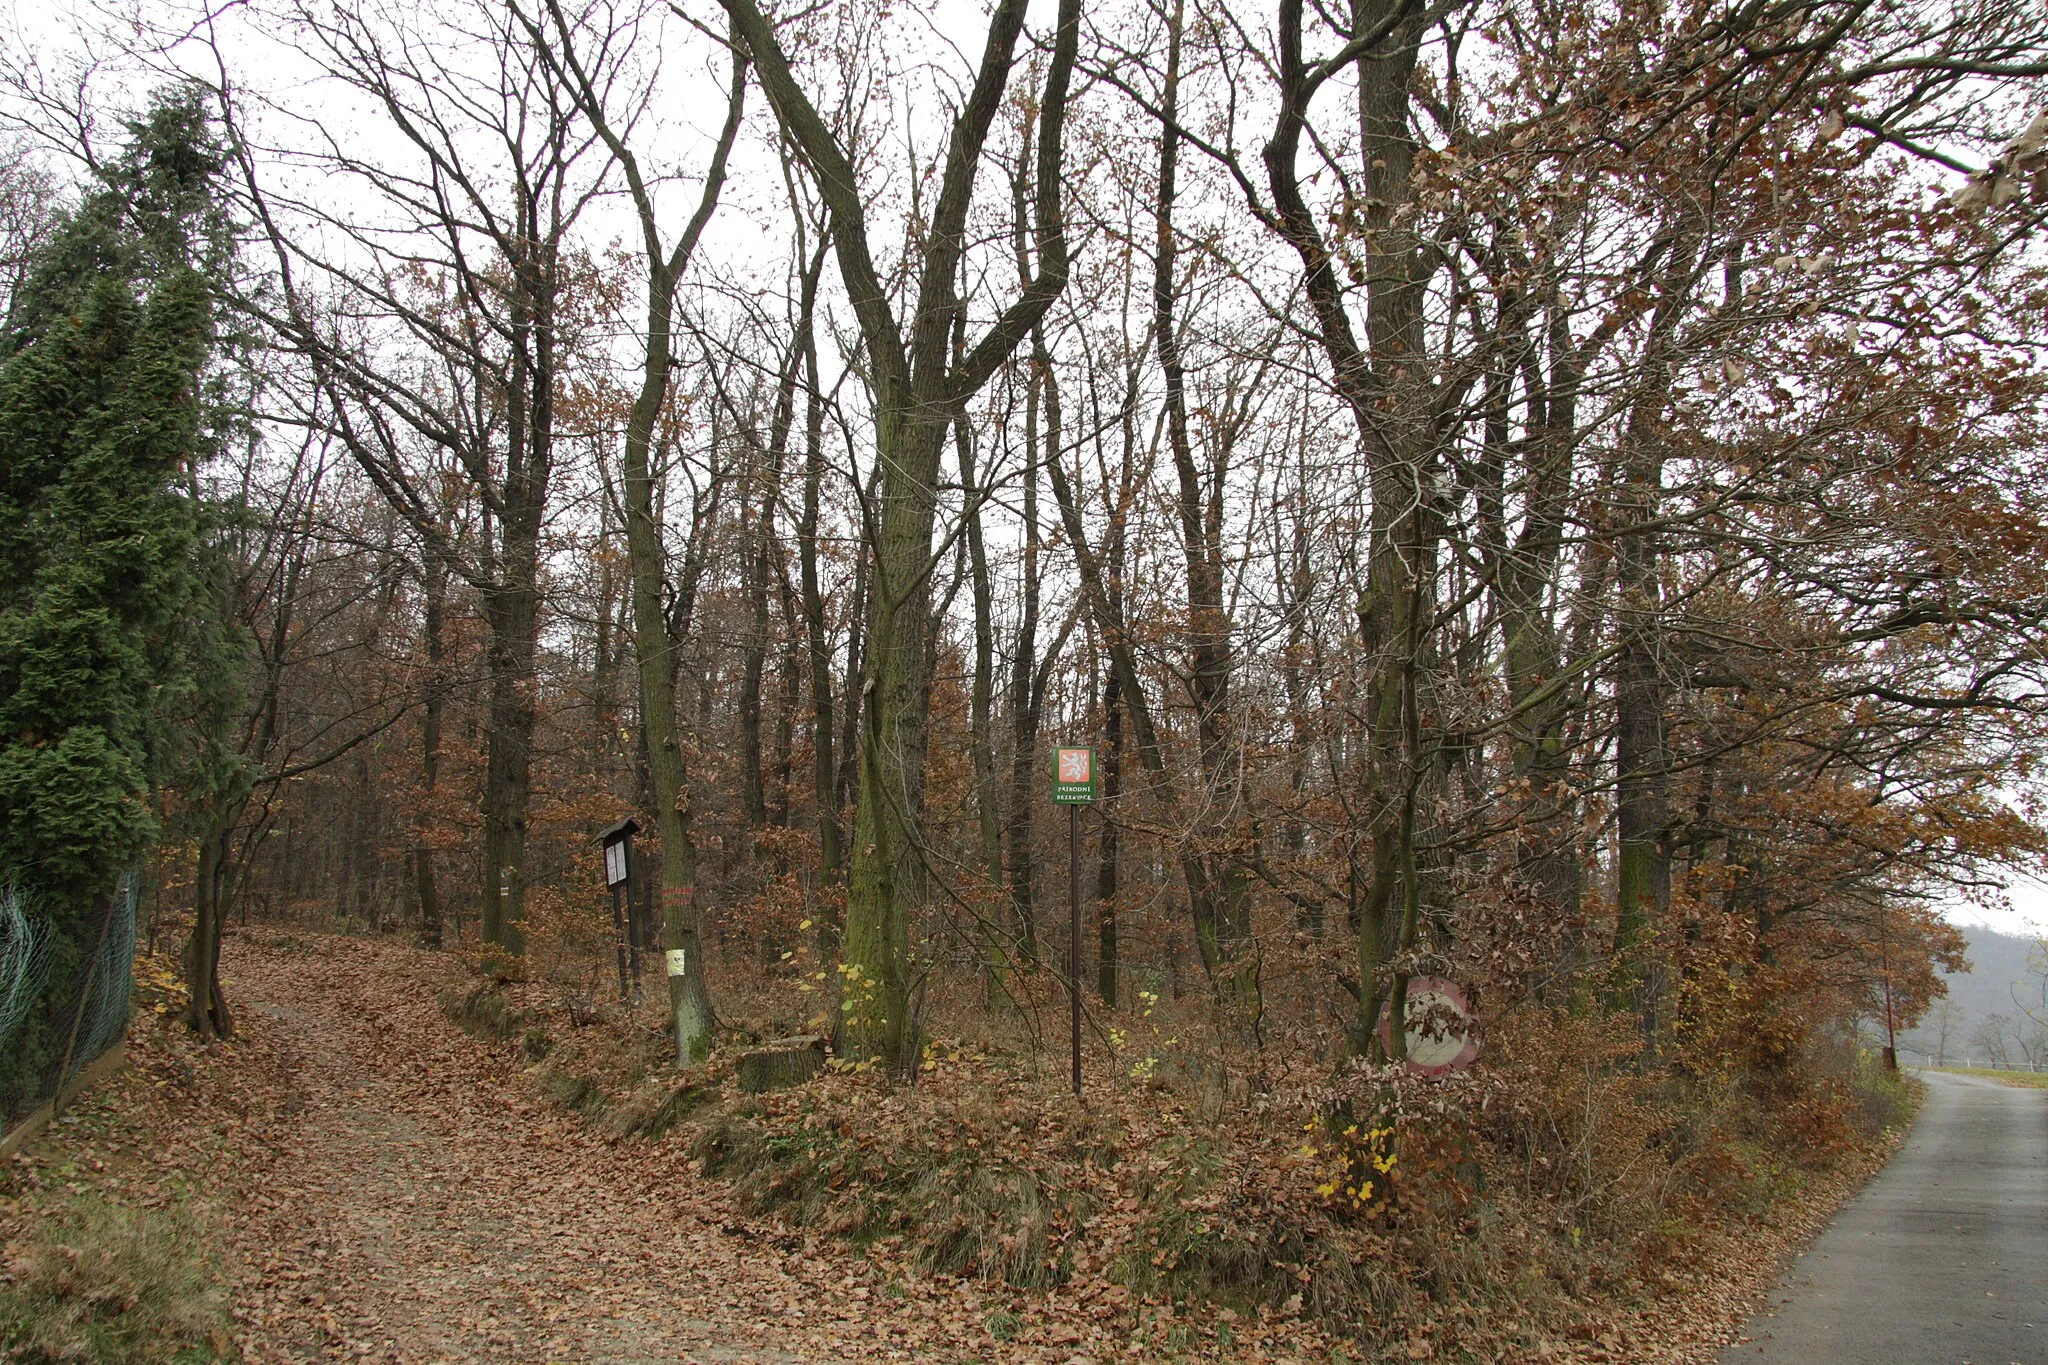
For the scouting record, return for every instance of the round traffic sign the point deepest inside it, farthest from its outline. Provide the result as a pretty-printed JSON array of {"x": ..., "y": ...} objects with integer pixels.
[{"x": 1442, "y": 1034}]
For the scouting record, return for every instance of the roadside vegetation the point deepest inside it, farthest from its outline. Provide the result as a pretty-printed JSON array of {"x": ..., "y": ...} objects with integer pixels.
[{"x": 1556, "y": 1194}]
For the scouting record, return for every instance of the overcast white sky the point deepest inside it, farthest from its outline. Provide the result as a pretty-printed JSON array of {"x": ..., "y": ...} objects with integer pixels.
[{"x": 2028, "y": 915}]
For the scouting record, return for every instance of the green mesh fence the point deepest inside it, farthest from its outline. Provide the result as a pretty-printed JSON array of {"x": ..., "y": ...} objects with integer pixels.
[
  {"x": 24, "y": 963},
  {"x": 51, "y": 1029},
  {"x": 104, "y": 1012}
]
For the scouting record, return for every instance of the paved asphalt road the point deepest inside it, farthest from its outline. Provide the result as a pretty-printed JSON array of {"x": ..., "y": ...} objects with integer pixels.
[{"x": 1943, "y": 1260}]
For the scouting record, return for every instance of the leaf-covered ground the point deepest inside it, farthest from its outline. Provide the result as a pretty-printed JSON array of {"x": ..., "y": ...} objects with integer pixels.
[{"x": 381, "y": 1185}]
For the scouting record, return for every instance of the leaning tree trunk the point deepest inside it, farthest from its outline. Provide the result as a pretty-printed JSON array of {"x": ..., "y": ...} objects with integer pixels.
[{"x": 206, "y": 1007}]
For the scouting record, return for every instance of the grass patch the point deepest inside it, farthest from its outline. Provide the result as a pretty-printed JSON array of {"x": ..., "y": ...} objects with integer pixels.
[
  {"x": 656, "y": 1107},
  {"x": 578, "y": 1093},
  {"x": 959, "y": 1207},
  {"x": 97, "y": 1281},
  {"x": 1187, "y": 1245},
  {"x": 485, "y": 1010}
]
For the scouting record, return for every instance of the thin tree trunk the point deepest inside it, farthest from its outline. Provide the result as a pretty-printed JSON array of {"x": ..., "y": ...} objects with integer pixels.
[
  {"x": 433, "y": 699},
  {"x": 980, "y": 726},
  {"x": 782, "y": 754},
  {"x": 917, "y": 386},
  {"x": 1026, "y": 707},
  {"x": 824, "y": 770},
  {"x": 860, "y": 623},
  {"x": 1106, "y": 963},
  {"x": 753, "y": 793},
  {"x": 207, "y": 1008},
  {"x": 1220, "y": 904}
]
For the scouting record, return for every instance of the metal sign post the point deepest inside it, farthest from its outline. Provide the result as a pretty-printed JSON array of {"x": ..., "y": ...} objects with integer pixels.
[
  {"x": 618, "y": 874},
  {"x": 1884, "y": 954},
  {"x": 1073, "y": 786}
]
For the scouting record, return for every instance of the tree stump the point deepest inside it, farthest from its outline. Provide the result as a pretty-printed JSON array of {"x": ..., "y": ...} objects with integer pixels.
[{"x": 781, "y": 1063}]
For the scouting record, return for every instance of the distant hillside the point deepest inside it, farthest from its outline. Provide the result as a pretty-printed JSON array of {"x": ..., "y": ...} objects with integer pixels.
[{"x": 1999, "y": 972}]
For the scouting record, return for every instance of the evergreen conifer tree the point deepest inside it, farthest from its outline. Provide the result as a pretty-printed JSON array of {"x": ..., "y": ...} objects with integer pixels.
[{"x": 105, "y": 350}]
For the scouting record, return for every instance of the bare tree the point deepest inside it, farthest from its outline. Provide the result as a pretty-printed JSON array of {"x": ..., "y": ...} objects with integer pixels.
[
  {"x": 917, "y": 387},
  {"x": 437, "y": 336}
]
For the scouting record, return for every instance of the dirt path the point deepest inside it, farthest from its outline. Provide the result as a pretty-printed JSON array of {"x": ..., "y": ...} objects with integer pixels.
[{"x": 419, "y": 1204}]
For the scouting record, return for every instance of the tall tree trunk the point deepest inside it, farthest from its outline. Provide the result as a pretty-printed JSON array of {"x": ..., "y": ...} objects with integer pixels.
[
  {"x": 1106, "y": 608},
  {"x": 607, "y": 647},
  {"x": 980, "y": 716},
  {"x": 980, "y": 725},
  {"x": 782, "y": 753},
  {"x": 645, "y": 890},
  {"x": 1642, "y": 764},
  {"x": 1525, "y": 575},
  {"x": 1220, "y": 903},
  {"x": 760, "y": 561},
  {"x": 362, "y": 848},
  {"x": 1026, "y": 701},
  {"x": 512, "y": 602},
  {"x": 512, "y": 612},
  {"x": 917, "y": 386},
  {"x": 1296, "y": 586},
  {"x": 859, "y": 626},
  {"x": 889, "y": 871},
  {"x": 1387, "y": 393}
]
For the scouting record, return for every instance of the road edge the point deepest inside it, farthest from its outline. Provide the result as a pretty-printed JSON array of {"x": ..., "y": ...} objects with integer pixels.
[{"x": 1795, "y": 1228}]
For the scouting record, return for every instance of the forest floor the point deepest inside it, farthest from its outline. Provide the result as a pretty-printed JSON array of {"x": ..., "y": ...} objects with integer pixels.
[{"x": 372, "y": 1183}]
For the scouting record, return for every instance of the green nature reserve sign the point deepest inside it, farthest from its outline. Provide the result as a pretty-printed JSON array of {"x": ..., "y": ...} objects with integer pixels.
[{"x": 1073, "y": 777}]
